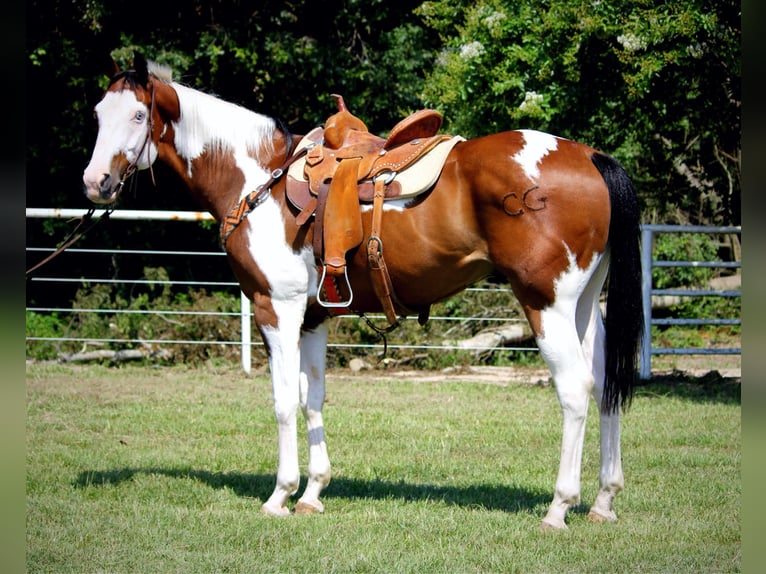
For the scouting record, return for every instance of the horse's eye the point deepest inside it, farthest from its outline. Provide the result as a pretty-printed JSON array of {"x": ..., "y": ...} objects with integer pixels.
[{"x": 140, "y": 116}]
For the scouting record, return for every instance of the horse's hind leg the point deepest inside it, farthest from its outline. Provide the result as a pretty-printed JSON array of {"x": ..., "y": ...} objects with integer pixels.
[
  {"x": 312, "y": 395},
  {"x": 611, "y": 480},
  {"x": 568, "y": 329},
  {"x": 590, "y": 325}
]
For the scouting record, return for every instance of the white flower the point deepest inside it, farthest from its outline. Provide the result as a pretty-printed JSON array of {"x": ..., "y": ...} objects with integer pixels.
[
  {"x": 631, "y": 42},
  {"x": 532, "y": 101},
  {"x": 695, "y": 50},
  {"x": 471, "y": 50},
  {"x": 494, "y": 20}
]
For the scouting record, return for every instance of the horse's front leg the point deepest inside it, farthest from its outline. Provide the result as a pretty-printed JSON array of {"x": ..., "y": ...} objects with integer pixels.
[
  {"x": 281, "y": 333},
  {"x": 312, "y": 395}
]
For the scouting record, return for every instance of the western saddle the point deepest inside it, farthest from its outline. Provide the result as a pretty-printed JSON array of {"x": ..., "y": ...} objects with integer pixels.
[{"x": 345, "y": 166}]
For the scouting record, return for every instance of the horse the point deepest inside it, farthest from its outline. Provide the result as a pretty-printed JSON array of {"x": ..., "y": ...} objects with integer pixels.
[{"x": 556, "y": 218}]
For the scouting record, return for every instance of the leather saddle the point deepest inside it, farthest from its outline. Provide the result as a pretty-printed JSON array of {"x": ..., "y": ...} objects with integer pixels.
[{"x": 346, "y": 165}]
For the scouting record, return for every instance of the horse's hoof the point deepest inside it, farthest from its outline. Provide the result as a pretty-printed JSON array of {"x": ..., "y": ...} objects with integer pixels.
[
  {"x": 271, "y": 511},
  {"x": 550, "y": 526},
  {"x": 305, "y": 507},
  {"x": 601, "y": 516}
]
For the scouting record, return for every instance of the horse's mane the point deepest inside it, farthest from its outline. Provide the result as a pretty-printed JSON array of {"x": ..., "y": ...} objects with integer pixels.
[
  {"x": 235, "y": 123},
  {"x": 160, "y": 71}
]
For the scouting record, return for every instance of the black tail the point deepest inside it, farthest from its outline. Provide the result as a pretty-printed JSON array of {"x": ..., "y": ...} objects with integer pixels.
[{"x": 624, "y": 312}]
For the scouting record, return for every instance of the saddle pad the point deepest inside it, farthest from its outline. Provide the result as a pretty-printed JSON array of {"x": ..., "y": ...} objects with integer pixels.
[
  {"x": 422, "y": 174},
  {"x": 415, "y": 179}
]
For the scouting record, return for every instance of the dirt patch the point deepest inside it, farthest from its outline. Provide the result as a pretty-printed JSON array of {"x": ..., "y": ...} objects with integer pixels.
[
  {"x": 480, "y": 374},
  {"x": 682, "y": 368}
]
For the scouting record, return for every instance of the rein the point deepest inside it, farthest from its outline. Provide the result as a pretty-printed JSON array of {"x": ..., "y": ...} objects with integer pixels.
[{"x": 73, "y": 236}]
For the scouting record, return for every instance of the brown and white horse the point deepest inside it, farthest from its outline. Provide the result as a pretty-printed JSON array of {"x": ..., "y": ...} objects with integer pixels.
[{"x": 555, "y": 217}]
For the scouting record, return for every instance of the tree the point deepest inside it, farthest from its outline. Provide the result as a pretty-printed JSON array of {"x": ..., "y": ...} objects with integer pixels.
[{"x": 656, "y": 84}]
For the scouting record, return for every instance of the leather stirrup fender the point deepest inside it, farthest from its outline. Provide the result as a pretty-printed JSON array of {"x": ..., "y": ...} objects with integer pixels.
[{"x": 342, "y": 226}]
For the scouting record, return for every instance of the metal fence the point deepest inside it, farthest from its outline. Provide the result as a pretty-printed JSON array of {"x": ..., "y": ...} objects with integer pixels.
[
  {"x": 648, "y": 263},
  {"x": 246, "y": 343}
]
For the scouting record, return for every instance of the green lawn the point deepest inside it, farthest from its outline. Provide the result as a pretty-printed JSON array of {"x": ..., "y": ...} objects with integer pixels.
[{"x": 141, "y": 469}]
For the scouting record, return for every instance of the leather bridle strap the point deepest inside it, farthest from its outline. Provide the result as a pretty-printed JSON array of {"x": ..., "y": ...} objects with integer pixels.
[
  {"x": 253, "y": 199},
  {"x": 149, "y": 132}
]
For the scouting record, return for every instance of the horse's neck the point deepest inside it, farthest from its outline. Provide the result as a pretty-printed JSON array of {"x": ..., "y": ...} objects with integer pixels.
[{"x": 222, "y": 151}]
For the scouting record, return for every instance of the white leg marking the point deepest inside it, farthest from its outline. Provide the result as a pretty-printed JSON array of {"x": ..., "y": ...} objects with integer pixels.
[
  {"x": 611, "y": 480},
  {"x": 284, "y": 360},
  {"x": 312, "y": 395}
]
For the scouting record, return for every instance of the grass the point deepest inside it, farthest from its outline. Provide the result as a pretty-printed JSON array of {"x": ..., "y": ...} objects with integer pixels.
[{"x": 140, "y": 469}]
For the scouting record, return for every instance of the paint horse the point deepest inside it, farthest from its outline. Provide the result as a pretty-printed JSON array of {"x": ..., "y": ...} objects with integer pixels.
[{"x": 557, "y": 218}]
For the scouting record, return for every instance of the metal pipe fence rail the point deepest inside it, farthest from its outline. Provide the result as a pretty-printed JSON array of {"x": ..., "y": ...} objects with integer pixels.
[{"x": 246, "y": 343}]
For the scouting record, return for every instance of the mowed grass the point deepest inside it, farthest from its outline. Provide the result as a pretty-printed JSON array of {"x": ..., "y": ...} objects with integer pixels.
[{"x": 139, "y": 469}]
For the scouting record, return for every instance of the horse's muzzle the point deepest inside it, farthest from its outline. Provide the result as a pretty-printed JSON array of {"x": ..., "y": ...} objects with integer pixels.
[{"x": 102, "y": 192}]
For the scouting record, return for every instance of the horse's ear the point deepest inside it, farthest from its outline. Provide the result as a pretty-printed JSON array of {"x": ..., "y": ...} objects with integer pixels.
[
  {"x": 141, "y": 67},
  {"x": 110, "y": 67}
]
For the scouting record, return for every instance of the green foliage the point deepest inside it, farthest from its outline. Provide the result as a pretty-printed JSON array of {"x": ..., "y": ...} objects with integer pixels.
[
  {"x": 143, "y": 317},
  {"x": 46, "y": 326},
  {"x": 656, "y": 84},
  {"x": 143, "y": 320},
  {"x": 692, "y": 247},
  {"x": 683, "y": 247},
  {"x": 638, "y": 80}
]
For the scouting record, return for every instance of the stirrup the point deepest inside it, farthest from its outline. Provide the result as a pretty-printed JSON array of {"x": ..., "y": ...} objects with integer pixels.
[{"x": 330, "y": 304}]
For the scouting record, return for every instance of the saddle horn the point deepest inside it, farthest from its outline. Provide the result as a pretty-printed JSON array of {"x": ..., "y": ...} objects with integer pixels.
[
  {"x": 341, "y": 104},
  {"x": 340, "y": 124}
]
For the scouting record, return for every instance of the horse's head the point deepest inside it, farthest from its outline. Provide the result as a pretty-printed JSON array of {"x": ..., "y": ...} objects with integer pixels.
[{"x": 124, "y": 142}]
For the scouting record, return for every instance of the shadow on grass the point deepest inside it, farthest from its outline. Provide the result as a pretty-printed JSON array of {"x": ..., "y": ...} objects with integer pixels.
[
  {"x": 260, "y": 486},
  {"x": 710, "y": 387}
]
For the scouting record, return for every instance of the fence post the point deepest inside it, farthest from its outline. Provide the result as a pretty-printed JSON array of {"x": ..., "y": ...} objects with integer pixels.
[
  {"x": 244, "y": 313},
  {"x": 647, "y": 238}
]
